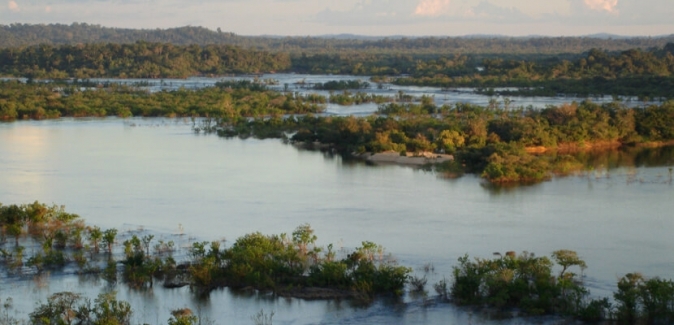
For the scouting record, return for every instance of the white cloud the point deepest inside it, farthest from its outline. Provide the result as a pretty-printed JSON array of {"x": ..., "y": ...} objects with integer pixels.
[
  {"x": 607, "y": 5},
  {"x": 13, "y": 6},
  {"x": 431, "y": 7},
  {"x": 372, "y": 17}
]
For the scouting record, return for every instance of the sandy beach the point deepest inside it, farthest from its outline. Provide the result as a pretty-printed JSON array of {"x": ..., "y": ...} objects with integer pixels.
[{"x": 418, "y": 159}]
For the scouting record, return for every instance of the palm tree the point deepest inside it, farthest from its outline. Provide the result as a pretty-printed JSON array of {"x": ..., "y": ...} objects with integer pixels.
[
  {"x": 109, "y": 238},
  {"x": 95, "y": 236}
]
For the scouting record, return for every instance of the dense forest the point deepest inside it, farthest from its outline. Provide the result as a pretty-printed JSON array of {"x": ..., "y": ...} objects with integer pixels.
[
  {"x": 137, "y": 60},
  {"x": 627, "y": 73},
  {"x": 646, "y": 74},
  {"x": 21, "y": 35}
]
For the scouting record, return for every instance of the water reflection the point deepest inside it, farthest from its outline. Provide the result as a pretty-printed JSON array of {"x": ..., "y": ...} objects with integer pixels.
[
  {"x": 609, "y": 168},
  {"x": 155, "y": 173}
]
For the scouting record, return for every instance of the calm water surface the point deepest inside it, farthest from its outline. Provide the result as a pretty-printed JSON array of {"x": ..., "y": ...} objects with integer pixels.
[{"x": 157, "y": 174}]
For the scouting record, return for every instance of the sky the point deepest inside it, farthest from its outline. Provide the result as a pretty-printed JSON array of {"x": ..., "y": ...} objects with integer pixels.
[{"x": 362, "y": 17}]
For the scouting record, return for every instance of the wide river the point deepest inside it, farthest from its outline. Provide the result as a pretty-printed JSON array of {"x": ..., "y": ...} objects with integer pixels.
[
  {"x": 157, "y": 174},
  {"x": 304, "y": 83}
]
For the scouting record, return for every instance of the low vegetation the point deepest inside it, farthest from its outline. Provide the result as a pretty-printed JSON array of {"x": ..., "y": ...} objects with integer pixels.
[
  {"x": 293, "y": 265},
  {"x": 230, "y": 100},
  {"x": 530, "y": 284},
  {"x": 499, "y": 142},
  {"x": 284, "y": 264}
]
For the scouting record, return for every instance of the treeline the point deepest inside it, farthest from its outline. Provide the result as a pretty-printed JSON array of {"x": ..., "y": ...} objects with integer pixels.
[
  {"x": 293, "y": 265},
  {"x": 598, "y": 72},
  {"x": 20, "y": 35},
  {"x": 382, "y": 64},
  {"x": 646, "y": 74},
  {"x": 342, "y": 85},
  {"x": 230, "y": 100},
  {"x": 136, "y": 60},
  {"x": 498, "y": 143}
]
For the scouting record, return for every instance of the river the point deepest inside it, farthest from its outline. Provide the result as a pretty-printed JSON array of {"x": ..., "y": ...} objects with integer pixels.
[
  {"x": 156, "y": 174},
  {"x": 304, "y": 83}
]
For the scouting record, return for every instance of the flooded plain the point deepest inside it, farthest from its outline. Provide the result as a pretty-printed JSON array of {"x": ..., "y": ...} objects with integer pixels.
[
  {"x": 156, "y": 175},
  {"x": 304, "y": 84}
]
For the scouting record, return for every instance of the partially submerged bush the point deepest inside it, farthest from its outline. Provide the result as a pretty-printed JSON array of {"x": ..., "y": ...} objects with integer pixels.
[
  {"x": 71, "y": 308},
  {"x": 523, "y": 281}
]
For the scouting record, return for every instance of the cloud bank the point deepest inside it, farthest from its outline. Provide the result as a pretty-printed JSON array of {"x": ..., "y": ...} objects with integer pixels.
[
  {"x": 431, "y": 7},
  {"x": 607, "y": 5},
  {"x": 13, "y": 6},
  {"x": 369, "y": 17}
]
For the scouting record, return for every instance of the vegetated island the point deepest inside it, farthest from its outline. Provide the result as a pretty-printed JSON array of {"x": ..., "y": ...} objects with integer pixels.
[
  {"x": 293, "y": 265},
  {"x": 501, "y": 143}
]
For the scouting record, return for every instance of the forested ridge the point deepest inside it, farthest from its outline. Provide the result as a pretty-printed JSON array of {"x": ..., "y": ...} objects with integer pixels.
[
  {"x": 137, "y": 60},
  {"x": 627, "y": 73},
  {"x": 634, "y": 72},
  {"x": 20, "y": 35}
]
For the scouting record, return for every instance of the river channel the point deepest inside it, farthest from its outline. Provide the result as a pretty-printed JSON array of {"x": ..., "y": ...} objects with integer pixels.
[
  {"x": 304, "y": 83},
  {"x": 158, "y": 176}
]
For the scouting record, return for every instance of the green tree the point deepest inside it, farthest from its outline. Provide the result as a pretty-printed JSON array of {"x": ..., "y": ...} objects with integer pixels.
[
  {"x": 95, "y": 237},
  {"x": 109, "y": 238}
]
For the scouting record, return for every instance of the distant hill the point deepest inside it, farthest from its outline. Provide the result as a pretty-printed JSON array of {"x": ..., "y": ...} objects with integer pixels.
[{"x": 21, "y": 35}]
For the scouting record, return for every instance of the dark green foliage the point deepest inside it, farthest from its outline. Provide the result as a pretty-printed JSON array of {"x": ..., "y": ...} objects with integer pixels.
[
  {"x": 139, "y": 266},
  {"x": 282, "y": 263},
  {"x": 330, "y": 274},
  {"x": 628, "y": 73},
  {"x": 12, "y": 221},
  {"x": 594, "y": 311},
  {"x": 262, "y": 261},
  {"x": 16, "y": 34},
  {"x": 51, "y": 227},
  {"x": 342, "y": 85},
  {"x": 70, "y": 308},
  {"x": 242, "y": 84},
  {"x": 109, "y": 236},
  {"x": 347, "y": 98},
  {"x": 278, "y": 262},
  {"x": 644, "y": 301},
  {"x": 524, "y": 281},
  {"x": 656, "y": 122},
  {"x": 232, "y": 102},
  {"x": 137, "y": 60}
]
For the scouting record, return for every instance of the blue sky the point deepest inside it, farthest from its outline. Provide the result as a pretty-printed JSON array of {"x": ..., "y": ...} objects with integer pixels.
[{"x": 364, "y": 17}]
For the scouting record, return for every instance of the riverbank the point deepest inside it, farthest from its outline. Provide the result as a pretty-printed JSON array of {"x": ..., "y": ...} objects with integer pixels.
[
  {"x": 411, "y": 159},
  {"x": 576, "y": 147}
]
